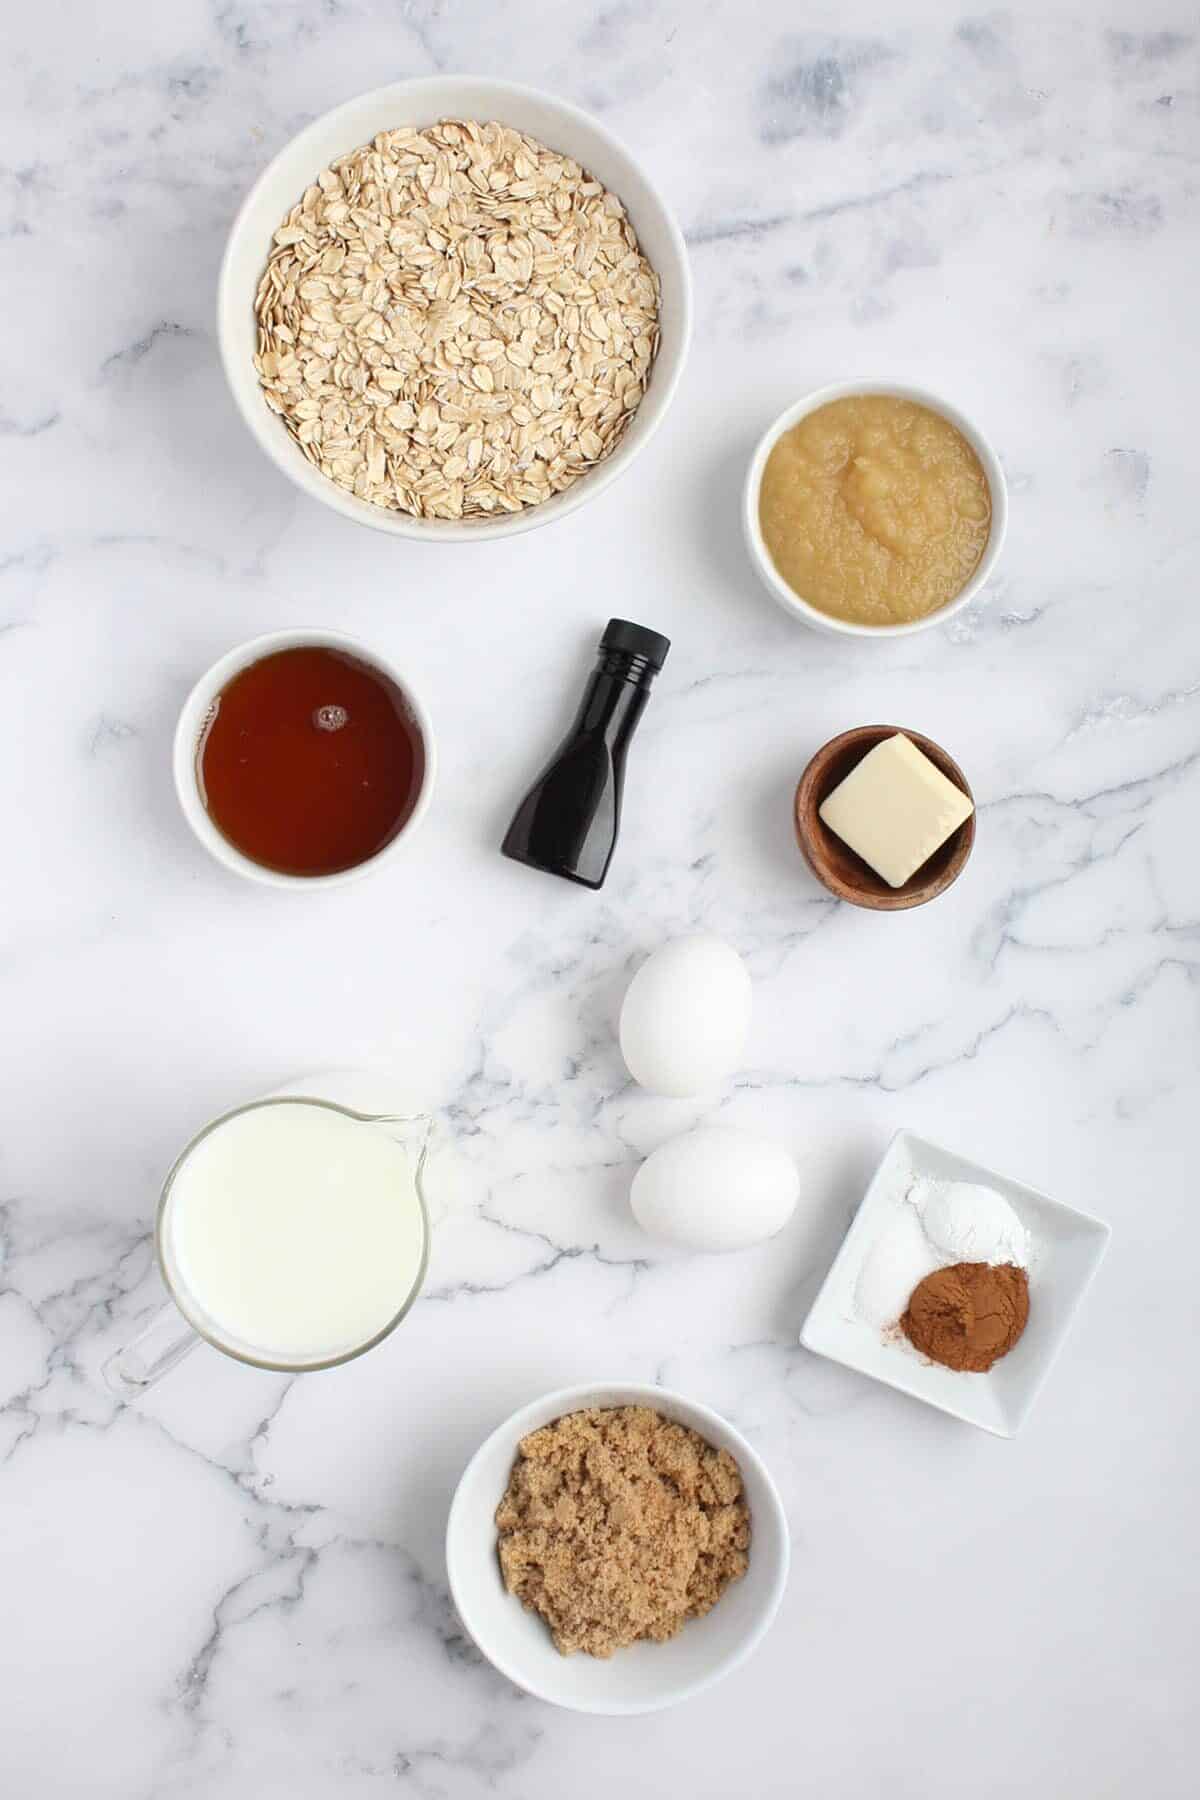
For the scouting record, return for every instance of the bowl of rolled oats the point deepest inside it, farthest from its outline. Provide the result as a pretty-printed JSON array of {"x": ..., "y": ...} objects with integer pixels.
[{"x": 454, "y": 308}]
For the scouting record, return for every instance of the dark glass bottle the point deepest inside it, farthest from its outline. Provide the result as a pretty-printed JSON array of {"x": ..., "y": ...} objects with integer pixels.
[{"x": 567, "y": 823}]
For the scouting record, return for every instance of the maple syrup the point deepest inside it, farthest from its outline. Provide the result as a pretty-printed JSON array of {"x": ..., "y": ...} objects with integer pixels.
[{"x": 311, "y": 761}]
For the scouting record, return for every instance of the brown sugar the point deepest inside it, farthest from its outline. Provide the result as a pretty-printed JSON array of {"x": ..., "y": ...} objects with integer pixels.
[
  {"x": 618, "y": 1524},
  {"x": 968, "y": 1316}
]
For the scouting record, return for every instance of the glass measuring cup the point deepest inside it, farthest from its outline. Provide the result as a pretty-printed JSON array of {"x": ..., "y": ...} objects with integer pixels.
[{"x": 316, "y": 1126}]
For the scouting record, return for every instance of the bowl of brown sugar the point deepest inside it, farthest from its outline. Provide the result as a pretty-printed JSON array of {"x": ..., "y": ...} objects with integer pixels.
[
  {"x": 615, "y": 1549},
  {"x": 874, "y": 510}
]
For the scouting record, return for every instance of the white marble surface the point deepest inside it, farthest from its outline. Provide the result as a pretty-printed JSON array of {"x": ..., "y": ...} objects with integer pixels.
[{"x": 236, "y": 1588}]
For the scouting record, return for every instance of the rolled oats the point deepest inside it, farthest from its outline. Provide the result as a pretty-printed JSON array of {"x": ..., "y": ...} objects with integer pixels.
[{"x": 456, "y": 321}]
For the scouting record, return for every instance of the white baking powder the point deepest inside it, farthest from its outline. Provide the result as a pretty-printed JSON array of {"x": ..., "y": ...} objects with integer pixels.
[{"x": 933, "y": 1225}]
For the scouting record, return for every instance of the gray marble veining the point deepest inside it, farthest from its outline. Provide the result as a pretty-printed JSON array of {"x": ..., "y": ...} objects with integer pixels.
[{"x": 236, "y": 1587}]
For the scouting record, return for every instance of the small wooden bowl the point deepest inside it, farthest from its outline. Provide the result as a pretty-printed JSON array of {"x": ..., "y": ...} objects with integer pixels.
[{"x": 835, "y": 865}]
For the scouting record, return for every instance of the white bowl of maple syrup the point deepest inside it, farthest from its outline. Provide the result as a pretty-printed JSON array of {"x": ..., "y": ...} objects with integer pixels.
[{"x": 303, "y": 759}]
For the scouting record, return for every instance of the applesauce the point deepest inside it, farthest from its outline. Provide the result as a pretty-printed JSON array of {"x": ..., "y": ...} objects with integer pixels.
[{"x": 875, "y": 510}]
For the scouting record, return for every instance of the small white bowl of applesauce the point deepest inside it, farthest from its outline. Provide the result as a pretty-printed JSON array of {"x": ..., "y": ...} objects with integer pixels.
[{"x": 873, "y": 509}]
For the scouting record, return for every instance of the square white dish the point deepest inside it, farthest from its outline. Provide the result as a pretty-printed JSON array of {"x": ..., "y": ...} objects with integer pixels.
[{"x": 1068, "y": 1247}]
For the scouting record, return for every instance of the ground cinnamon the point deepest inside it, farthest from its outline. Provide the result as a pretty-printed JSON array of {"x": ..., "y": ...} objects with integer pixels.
[{"x": 968, "y": 1316}]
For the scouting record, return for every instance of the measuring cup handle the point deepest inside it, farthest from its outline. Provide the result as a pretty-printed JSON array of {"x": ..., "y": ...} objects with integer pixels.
[{"x": 155, "y": 1351}]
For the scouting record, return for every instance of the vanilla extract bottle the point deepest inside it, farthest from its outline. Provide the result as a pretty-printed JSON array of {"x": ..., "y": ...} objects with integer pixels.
[{"x": 567, "y": 824}]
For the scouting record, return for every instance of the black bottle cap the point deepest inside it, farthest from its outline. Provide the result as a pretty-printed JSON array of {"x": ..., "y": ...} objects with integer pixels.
[{"x": 636, "y": 640}]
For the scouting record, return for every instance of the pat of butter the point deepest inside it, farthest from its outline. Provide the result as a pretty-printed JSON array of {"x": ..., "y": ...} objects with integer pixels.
[{"x": 895, "y": 808}]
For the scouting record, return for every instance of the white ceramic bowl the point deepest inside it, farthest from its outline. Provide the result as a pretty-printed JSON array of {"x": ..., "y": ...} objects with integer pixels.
[
  {"x": 194, "y": 716},
  {"x": 1067, "y": 1247},
  {"x": 786, "y": 595},
  {"x": 645, "y": 1677},
  {"x": 334, "y": 134}
]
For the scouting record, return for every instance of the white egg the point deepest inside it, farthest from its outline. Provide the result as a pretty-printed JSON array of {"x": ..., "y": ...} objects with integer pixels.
[
  {"x": 715, "y": 1189},
  {"x": 686, "y": 1016}
]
